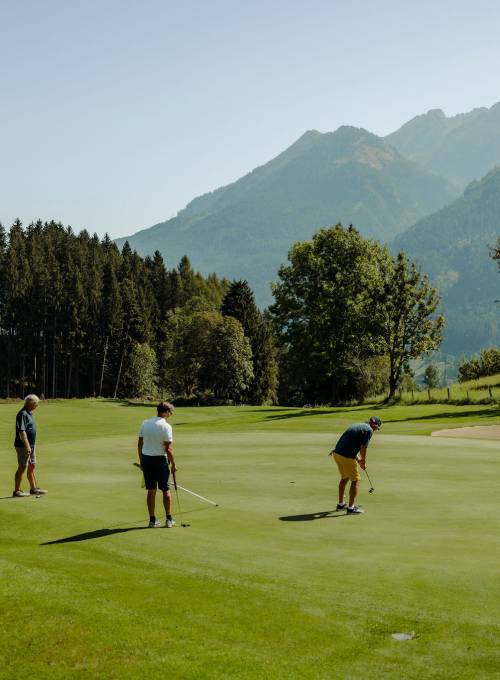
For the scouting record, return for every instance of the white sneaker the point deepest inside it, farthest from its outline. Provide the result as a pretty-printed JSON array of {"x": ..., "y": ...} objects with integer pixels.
[
  {"x": 354, "y": 510},
  {"x": 19, "y": 494},
  {"x": 152, "y": 524},
  {"x": 170, "y": 523}
]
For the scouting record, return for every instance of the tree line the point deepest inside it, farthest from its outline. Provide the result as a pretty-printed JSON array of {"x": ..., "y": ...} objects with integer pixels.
[{"x": 79, "y": 317}]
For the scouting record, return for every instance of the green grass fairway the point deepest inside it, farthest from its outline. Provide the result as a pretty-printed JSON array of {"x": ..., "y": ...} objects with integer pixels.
[{"x": 271, "y": 584}]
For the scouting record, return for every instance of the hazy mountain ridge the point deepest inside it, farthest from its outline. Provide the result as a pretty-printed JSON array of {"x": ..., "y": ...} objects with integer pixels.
[
  {"x": 461, "y": 148},
  {"x": 245, "y": 229}
]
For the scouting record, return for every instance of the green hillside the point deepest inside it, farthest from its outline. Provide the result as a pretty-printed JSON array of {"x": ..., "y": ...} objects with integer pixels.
[
  {"x": 244, "y": 230},
  {"x": 461, "y": 148},
  {"x": 452, "y": 246}
]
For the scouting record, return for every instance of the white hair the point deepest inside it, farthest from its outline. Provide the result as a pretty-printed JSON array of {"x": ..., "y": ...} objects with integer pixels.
[{"x": 31, "y": 399}]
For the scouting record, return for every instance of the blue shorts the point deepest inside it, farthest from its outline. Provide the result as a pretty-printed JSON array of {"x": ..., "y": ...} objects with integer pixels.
[{"x": 156, "y": 472}]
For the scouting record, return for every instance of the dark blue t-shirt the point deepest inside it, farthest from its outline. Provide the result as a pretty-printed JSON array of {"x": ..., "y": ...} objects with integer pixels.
[
  {"x": 353, "y": 439},
  {"x": 25, "y": 423}
]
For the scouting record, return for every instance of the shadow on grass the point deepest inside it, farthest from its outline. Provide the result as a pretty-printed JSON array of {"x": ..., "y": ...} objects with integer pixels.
[
  {"x": 301, "y": 413},
  {"x": 450, "y": 414},
  {"x": 328, "y": 514},
  {"x": 101, "y": 533},
  {"x": 88, "y": 535},
  {"x": 478, "y": 413}
]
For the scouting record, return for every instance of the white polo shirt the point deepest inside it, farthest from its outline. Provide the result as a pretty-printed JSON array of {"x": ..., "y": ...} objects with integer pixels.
[{"x": 155, "y": 432}]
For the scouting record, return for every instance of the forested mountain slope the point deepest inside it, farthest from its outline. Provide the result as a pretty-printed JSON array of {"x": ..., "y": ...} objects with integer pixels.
[{"x": 452, "y": 246}]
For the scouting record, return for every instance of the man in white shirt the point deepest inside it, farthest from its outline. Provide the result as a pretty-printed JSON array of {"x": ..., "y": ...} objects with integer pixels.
[{"x": 155, "y": 453}]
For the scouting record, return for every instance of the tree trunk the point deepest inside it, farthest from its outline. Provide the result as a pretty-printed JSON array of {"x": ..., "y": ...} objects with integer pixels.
[
  {"x": 119, "y": 372},
  {"x": 103, "y": 364},
  {"x": 44, "y": 367},
  {"x": 70, "y": 372},
  {"x": 9, "y": 354},
  {"x": 54, "y": 382}
]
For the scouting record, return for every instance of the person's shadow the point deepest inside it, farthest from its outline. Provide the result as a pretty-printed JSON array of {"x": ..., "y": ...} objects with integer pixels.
[
  {"x": 330, "y": 514},
  {"x": 88, "y": 535}
]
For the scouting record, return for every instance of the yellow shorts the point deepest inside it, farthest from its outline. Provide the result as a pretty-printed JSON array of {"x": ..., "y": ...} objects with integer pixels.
[{"x": 348, "y": 468}]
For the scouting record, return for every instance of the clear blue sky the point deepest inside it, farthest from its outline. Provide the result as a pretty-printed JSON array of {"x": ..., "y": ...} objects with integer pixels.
[{"x": 115, "y": 113}]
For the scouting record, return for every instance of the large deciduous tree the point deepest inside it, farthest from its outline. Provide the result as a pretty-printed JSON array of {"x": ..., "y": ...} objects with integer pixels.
[
  {"x": 324, "y": 309},
  {"x": 405, "y": 312},
  {"x": 141, "y": 375},
  {"x": 343, "y": 300},
  {"x": 185, "y": 350},
  {"x": 228, "y": 369}
]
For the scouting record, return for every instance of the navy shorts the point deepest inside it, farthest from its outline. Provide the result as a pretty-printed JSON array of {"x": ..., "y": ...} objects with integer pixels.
[{"x": 156, "y": 472}]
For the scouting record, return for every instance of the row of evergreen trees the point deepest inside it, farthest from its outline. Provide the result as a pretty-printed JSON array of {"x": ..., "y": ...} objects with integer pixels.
[{"x": 80, "y": 318}]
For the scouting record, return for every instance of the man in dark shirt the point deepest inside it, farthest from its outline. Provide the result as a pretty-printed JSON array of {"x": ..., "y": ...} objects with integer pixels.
[
  {"x": 354, "y": 441},
  {"x": 24, "y": 444}
]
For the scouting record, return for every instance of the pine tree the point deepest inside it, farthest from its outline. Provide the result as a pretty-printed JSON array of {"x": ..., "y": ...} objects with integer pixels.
[
  {"x": 18, "y": 280},
  {"x": 3, "y": 304}
]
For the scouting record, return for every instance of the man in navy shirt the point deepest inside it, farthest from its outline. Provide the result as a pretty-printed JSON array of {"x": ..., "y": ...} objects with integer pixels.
[
  {"x": 24, "y": 444},
  {"x": 349, "y": 451}
]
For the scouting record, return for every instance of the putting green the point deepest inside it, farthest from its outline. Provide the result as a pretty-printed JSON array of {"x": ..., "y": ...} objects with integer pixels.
[{"x": 271, "y": 584}]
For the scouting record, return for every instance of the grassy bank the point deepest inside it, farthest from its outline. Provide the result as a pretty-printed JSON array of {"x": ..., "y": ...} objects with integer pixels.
[{"x": 483, "y": 391}]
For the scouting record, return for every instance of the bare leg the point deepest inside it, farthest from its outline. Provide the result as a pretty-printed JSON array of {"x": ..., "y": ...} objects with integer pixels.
[
  {"x": 18, "y": 477},
  {"x": 353, "y": 492},
  {"x": 167, "y": 502},
  {"x": 31, "y": 476},
  {"x": 342, "y": 486},
  {"x": 151, "y": 500}
]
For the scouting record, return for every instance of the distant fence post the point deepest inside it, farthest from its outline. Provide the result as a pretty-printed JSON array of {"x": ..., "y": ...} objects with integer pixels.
[
  {"x": 412, "y": 396},
  {"x": 489, "y": 390},
  {"x": 429, "y": 394},
  {"x": 448, "y": 391}
]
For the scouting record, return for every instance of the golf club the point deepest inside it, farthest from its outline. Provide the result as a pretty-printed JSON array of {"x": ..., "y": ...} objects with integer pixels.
[
  {"x": 371, "y": 489},
  {"x": 143, "y": 484},
  {"x": 183, "y": 488},
  {"x": 178, "y": 501},
  {"x": 30, "y": 464},
  {"x": 207, "y": 500}
]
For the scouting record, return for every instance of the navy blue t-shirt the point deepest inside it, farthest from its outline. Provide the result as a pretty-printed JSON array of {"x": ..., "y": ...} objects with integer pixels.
[
  {"x": 353, "y": 439},
  {"x": 25, "y": 423}
]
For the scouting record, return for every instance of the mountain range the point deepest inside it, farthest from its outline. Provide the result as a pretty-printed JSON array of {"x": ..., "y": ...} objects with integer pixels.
[
  {"x": 404, "y": 189},
  {"x": 245, "y": 229},
  {"x": 460, "y": 148}
]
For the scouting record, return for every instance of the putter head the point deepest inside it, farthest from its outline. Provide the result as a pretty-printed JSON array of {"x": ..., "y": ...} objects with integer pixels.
[
  {"x": 371, "y": 490},
  {"x": 185, "y": 525}
]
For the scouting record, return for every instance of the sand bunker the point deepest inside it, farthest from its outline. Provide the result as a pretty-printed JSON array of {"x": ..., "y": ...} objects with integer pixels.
[{"x": 475, "y": 432}]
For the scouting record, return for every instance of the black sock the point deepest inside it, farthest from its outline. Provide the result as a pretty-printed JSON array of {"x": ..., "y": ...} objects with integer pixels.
[
  {"x": 152, "y": 518},
  {"x": 169, "y": 516}
]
